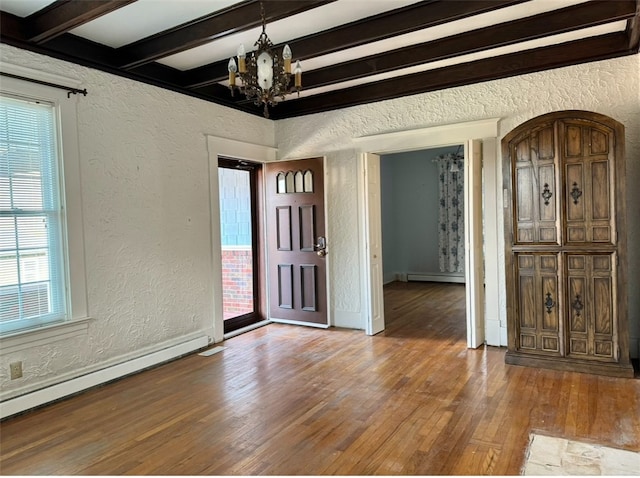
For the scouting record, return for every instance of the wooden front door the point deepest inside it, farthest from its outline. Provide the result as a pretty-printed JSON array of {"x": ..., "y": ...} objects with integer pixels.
[{"x": 296, "y": 241}]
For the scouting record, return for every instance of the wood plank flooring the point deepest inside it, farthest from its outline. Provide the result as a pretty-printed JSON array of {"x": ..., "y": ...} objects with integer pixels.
[{"x": 287, "y": 400}]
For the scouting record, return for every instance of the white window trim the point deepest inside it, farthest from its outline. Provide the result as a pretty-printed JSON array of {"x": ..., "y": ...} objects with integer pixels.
[{"x": 66, "y": 109}]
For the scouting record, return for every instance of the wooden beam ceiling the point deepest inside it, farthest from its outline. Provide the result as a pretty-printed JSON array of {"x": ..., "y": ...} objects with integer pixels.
[
  {"x": 530, "y": 28},
  {"x": 237, "y": 18},
  {"x": 591, "y": 49},
  {"x": 48, "y": 32},
  {"x": 378, "y": 27},
  {"x": 64, "y": 15}
]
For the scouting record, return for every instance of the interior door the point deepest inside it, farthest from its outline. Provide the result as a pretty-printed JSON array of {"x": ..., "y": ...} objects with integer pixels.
[
  {"x": 373, "y": 231},
  {"x": 474, "y": 267},
  {"x": 296, "y": 241}
]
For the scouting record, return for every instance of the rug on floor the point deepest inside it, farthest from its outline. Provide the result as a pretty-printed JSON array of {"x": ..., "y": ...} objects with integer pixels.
[{"x": 561, "y": 457}]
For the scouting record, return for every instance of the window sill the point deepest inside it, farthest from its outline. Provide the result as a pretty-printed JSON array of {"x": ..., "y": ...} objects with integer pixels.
[{"x": 25, "y": 339}]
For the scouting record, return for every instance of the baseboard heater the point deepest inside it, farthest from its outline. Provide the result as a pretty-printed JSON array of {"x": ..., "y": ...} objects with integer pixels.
[
  {"x": 435, "y": 278},
  {"x": 70, "y": 387}
]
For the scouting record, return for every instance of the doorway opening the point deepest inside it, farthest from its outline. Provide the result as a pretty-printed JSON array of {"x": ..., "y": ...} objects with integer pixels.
[
  {"x": 423, "y": 222},
  {"x": 473, "y": 220},
  {"x": 422, "y": 194},
  {"x": 239, "y": 212}
]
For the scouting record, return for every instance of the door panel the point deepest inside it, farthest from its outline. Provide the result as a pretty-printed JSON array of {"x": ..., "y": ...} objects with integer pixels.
[
  {"x": 591, "y": 306},
  {"x": 589, "y": 182},
  {"x": 535, "y": 192},
  {"x": 283, "y": 228},
  {"x": 374, "y": 322},
  {"x": 295, "y": 227},
  {"x": 538, "y": 303},
  {"x": 474, "y": 270}
]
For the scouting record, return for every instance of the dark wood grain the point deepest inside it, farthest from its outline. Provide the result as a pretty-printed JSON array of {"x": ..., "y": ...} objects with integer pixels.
[
  {"x": 587, "y": 311},
  {"x": 413, "y": 17},
  {"x": 285, "y": 400},
  {"x": 236, "y": 18},
  {"x": 62, "y": 16}
]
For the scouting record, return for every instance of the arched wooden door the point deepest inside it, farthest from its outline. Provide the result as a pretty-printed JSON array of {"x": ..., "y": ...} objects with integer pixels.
[{"x": 565, "y": 243}]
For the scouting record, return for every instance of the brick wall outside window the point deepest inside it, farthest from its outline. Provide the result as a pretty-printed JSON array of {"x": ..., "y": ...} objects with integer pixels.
[{"x": 237, "y": 285}]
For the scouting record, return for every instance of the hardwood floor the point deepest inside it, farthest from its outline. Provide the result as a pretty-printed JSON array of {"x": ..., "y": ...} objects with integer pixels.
[{"x": 294, "y": 400}]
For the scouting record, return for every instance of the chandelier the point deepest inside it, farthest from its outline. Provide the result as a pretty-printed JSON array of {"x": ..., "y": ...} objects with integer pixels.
[{"x": 265, "y": 75}]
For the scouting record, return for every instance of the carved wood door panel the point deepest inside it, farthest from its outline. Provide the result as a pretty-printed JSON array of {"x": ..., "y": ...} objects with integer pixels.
[
  {"x": 538, "y": 304},
  {"x": 591, "y": 295},
  {"x": 535, "y": 188},
  {"x": 565, "y": 246},
  {"x": 589, "y": 183}
]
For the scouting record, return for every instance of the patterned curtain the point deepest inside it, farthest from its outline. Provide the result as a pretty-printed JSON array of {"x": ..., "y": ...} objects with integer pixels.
[{"x": 451, "y": 232}]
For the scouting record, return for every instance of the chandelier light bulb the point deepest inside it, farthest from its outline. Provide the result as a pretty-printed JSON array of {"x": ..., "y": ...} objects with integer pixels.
[
  {"x": 232, "y": 72},
  {"x": 286, "y": 56},
  {"x": 298, "y": 75},
  {"x": 241, "y": 59}
]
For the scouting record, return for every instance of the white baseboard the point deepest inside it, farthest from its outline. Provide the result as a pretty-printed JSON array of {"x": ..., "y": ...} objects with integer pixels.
[
  {"x": 348, "y": 320},
  {"x": 60, "y": 390},
  {"x": 436, "y": 278}
]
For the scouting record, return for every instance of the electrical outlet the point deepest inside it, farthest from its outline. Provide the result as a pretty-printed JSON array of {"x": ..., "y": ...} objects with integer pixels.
[{"x": 16, "y": 370}]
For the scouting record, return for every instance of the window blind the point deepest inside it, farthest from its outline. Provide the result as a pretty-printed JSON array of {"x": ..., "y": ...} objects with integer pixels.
[{"x": 32, "y": 274}]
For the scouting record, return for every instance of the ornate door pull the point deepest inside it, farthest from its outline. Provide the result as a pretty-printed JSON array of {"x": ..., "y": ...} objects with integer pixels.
[
  {"x": 577, "y": 305},
  {"x": 546, "y": 194},
  {"x": 575, "y": 193},
  {"x": 549, "y": 303}
]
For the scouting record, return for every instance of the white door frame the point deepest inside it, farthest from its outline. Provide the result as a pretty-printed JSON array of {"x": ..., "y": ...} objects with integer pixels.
[{"x": 437, "y": 136}]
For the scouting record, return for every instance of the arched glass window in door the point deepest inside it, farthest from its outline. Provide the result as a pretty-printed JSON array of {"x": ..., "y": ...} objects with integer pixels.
[
  {"x": 308, "y": 181},
  {"x": 294, "y": 182},
  {"x": 282, "y": 183}
]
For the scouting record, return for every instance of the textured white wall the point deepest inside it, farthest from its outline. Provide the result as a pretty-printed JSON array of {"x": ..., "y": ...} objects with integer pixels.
[
  {"x": 145, "y": 192},
  {"x": 610, "y": 87}
]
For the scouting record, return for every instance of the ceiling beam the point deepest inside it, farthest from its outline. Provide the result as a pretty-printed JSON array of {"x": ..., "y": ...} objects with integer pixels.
[
  {"x": 64, "y": 15},
  {"x": 633, "y": 30},
  {"x": 237, "y": 18},
  {"x": 377, "y": 27},
  {"x": 580, "y": 51},
  {"x": 538, "y": 26},
  {"x": 12, "y": 28}
]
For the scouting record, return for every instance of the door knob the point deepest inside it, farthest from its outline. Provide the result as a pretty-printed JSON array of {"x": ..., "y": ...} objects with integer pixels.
[{"x": 321, "y": 246}]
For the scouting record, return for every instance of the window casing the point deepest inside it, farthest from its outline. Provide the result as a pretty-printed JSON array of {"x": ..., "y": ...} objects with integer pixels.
[
  {"x": 32, "y": 263},
  {"x": 52, "y": 259}
]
